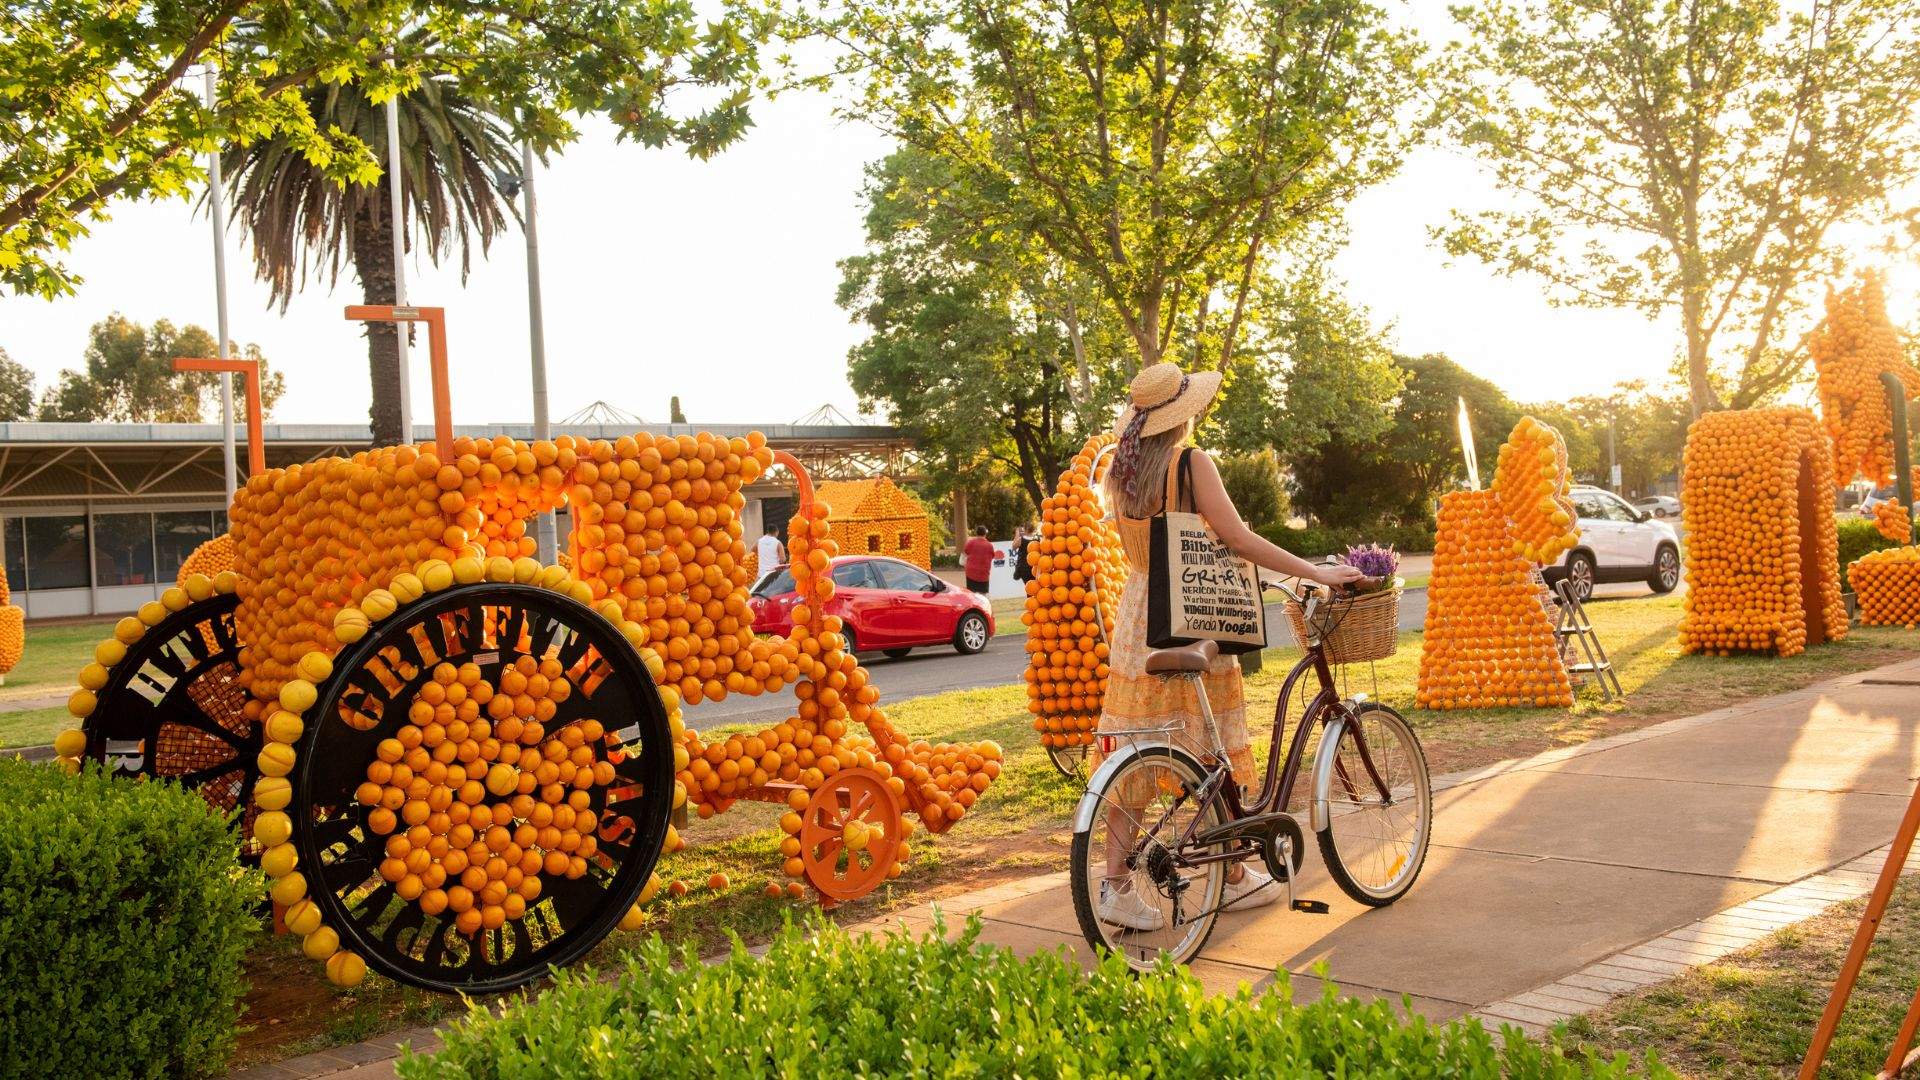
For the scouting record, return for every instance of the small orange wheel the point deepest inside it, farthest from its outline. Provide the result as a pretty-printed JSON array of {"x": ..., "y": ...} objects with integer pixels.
[{"x": 850, "y": 795}]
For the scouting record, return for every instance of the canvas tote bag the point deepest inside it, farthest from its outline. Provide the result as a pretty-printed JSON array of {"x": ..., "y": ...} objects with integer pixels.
[{"x": 1197, "y": 589}]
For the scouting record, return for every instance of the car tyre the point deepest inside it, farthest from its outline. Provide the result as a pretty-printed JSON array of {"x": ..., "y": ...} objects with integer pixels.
[
  {"x": 898, "y": 654},
  {"x": 1580, "y": 575},
  {"x": 1666, "y": 570},
  {"x": 970, "y": 636},
  {"x": 846, "y": 631}
]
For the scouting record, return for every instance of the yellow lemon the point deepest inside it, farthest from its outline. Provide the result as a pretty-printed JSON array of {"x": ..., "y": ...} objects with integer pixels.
[
  {"x": 175, "y": 599},
  {"x": 109, "y": 652},
  {"x": 378, "y": 604},
  {"x": 634, "y": 918},
  {"x": 129, "y": 630},
  {"x": 302, "y": 917},
  {"x": 198, "y": 586},
  {"x": 225, "y": 581},
  {"x": 92, "y": 677},
  {"x": 285, "y": 727},
  {"x": 406, "y": 588},
  {"x": 435, "y": 575},
  {"x": 276, "y": 759},
  {"x": 289, "y": 889},
  {"x": 320, "y": 944},
  {"x": 467, "y": 570},
  {"x": 297, "y": 695},
  {"x": 272, "y": 792},
  {"x": 278, "y": 862},
  {"x": 273, "y": 828},
  {"x": 652, "y": 886},
  {"x": 346, "y": 969},
  {"x": 315, "y": 667},
  {"x": 81, "y": 704},
  {"x": 70, "y": 743}
]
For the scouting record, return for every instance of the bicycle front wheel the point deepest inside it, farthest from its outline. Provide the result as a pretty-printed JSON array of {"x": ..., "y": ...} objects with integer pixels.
[
  {"x": 1371, "y": 779},
  {"x": 1134, "y": 890}
]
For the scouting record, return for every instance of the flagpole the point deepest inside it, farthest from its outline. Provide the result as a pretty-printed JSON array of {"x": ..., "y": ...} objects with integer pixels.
[
  {"x": 399, "y": 265},
  {"x": 217, "y": 205},
  {"x": 543, "y": 531}
]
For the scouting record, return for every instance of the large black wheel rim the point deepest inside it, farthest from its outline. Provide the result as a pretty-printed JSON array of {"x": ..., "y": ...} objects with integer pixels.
[
  {"x": 367, "y": 700},
  {"x": 171, "y": 708}
]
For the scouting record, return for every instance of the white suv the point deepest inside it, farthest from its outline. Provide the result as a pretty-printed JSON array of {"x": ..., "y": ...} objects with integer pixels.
[{"x": 1617, "y": 543}]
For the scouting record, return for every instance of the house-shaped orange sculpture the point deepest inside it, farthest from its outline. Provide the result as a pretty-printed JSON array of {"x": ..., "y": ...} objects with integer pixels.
[{"x": 874, "y": 517}]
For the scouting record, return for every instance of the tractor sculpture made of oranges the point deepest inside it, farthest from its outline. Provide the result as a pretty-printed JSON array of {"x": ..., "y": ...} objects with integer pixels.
[{"x": 458, "y": 766}]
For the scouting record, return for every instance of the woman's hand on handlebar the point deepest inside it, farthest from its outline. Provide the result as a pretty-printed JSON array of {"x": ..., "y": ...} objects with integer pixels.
[{"x": 1337, "y": 574}]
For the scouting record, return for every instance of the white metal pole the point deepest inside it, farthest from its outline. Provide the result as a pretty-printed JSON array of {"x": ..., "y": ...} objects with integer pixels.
[
  {"x": 216, "y": 202},
  {"x": 543, "y": 529},
  {"x": 399, "y": 265}
]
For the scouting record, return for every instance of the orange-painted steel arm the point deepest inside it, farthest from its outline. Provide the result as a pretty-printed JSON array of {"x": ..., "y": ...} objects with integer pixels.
[
  {"x": 781, "y": 457},
  {"x": 436, "y": 320},
  {"x": 256, "y": 438}
]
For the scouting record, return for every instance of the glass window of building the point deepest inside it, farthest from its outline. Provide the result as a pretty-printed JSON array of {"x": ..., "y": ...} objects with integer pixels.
[
  {"x": 122, "y": 549},
  {"x": 175, "y": 535},
  {"x": 14, "y": 539},
  {"x": 58, "y": 549}
]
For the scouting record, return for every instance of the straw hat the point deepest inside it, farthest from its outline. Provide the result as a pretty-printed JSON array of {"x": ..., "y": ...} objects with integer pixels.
[{"x": 1163, "y": 397}]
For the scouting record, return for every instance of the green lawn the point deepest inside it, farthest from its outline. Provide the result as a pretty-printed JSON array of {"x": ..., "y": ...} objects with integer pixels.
[
  {"x": 1752, "y": 1013},
  {"x": 53, "y": 654}
]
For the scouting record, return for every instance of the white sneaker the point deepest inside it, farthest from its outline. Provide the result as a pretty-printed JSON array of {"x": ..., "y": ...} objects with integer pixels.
[
  {"x": 1126, "y": 909},
  {"x": 1254, "y": 889}
]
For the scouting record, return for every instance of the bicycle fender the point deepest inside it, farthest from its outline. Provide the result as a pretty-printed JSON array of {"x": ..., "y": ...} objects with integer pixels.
[
  {"x": 1323, "y": 772},
  {"x": 1113, "y": 763}
]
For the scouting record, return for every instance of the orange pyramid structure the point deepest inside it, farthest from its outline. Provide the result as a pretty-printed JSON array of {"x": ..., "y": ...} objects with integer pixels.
[{"x": 1488, "y": 639}]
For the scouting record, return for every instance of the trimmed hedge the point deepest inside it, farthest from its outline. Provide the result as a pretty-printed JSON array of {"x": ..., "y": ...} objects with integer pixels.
[
  {"x": 822, "y": 1004},
  {"x": 1316, "y": 542},
  {"x": 1858, "y": 536},
  {"x": 123, "y": 919}
]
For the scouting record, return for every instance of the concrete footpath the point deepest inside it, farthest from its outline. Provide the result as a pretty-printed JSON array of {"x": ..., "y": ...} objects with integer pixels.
[{"x": 1555, "y": 882}]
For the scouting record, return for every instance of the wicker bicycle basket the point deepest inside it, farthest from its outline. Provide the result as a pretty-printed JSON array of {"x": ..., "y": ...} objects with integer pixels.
[{"x": 1358, "y": 629}]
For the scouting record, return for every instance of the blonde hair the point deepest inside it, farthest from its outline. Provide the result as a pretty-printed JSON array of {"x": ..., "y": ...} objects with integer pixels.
[{"x": 1150, "y": 474}]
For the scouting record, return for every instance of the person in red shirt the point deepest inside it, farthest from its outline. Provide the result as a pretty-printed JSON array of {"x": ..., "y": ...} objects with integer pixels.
[{"x": 979, "y": 559}]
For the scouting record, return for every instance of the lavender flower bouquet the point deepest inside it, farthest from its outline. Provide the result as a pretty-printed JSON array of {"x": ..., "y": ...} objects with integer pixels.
[{"x": 1380, "y": 564}]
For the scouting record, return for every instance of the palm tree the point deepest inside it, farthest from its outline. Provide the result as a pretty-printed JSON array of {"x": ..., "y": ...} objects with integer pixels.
[{"x": 451, "y": 149}]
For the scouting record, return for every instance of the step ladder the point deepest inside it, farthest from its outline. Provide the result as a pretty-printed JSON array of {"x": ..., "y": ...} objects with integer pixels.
[{"x": 1574, "y": 623}]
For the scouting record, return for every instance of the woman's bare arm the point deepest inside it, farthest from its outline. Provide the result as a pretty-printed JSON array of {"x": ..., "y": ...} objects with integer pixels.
[{"x": 1211, "y": 498}]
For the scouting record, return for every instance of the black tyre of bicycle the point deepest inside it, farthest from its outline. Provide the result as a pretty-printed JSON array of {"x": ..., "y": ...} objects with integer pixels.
[
  {"x": 1070, "y": 761},
  {"x": 171, "y": 708},
  {"x": 1146, "y": 806},
  {"x": 367, "y": 699},
  {"x": 1373, "y": 779}
]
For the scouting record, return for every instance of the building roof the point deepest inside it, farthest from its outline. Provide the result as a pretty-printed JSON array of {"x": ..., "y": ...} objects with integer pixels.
[{"x": 878, "y": 499}]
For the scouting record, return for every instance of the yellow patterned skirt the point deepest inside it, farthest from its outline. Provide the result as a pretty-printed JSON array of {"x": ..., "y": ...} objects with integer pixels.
[{"x": 1136, "y": 700}]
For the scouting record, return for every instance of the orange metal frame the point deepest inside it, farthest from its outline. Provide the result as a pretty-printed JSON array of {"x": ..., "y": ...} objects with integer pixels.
[
  {"x": 1899, "y": 1056},
  {"x": 436, "y": 320},
  {"x": 256, "y": 439}
]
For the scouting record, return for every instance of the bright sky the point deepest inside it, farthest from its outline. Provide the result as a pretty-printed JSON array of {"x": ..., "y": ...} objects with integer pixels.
[{"x": 715, "y": 281}]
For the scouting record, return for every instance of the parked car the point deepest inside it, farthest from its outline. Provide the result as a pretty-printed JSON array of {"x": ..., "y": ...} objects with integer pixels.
[
  {"x": 1879, "y": 495},
  {"x": 1660, "y": 506},
  {"x": 884, "y": 605},
  {"x": 1617, "y": 543}
]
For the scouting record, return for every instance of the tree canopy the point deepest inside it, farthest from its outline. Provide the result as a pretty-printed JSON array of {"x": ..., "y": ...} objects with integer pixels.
[
  {"x": 1690, "y": 159},
  {"x": 95, "y": 103},
  {"x": 1159, "y": 152},
  {"x": 16, "y": 389},
  {"x": 127, "y": 375}
]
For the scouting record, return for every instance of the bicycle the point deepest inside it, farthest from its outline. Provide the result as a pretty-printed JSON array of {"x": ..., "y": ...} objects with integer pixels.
[{"x": 1157, "y": 820}]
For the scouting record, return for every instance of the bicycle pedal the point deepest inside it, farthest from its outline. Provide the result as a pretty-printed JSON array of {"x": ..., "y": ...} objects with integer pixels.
[{"x": 1311, "y": 907}]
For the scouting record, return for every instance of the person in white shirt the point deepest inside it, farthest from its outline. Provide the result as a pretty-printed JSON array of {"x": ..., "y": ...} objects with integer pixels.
[{"x": 769, "y": 552}]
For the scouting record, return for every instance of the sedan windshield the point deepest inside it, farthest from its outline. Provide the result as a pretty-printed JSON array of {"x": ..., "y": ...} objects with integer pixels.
[{"x": 775, "y": 583}]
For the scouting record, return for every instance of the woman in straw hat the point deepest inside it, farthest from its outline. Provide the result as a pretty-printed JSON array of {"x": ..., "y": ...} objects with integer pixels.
[{"x": 1163, "y": 403}]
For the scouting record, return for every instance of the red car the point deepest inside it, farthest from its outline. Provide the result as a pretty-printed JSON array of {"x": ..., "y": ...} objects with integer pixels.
[{"x": 884, "y": 605}]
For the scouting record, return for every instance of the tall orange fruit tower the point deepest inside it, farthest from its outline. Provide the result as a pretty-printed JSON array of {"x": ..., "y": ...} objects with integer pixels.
[
  {"x": 13, "y": 629},
  {"x": 1488, "y": 639}
]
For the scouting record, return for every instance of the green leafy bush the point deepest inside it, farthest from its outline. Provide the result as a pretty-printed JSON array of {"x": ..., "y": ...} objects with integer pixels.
[
  {"x": 123, "y": 918},
  {"x": 1253, "y": 483},
  {"x": 823, "y": 1004},
  {"x": 1316, "y": 542},
  {"x": 1857, "y": 537}
]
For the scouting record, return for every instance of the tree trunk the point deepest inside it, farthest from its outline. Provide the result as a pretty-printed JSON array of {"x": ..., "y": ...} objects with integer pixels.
[
  {"x": 372, "y": 242},
  {"x": 1699, "y": 391}
]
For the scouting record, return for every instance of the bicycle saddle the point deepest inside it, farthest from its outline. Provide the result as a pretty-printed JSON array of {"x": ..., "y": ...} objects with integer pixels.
[{"x": 1185, "y": 660}]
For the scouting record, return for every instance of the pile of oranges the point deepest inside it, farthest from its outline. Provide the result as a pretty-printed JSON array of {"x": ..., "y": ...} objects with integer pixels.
[
  {"x": 1533, "y": 484},
  {"x": 208, "y": 560},
  {"x": 1852, "y": 347},
  {"x": 1887, "y": 585},
  {"x": 1078, "y": 571},
  {"x": 1890, "y": 517},
  {"x": 13, "y": 628},
  {"x": 1488, "y": 641},
  {"x": 1758, "y": 491}
]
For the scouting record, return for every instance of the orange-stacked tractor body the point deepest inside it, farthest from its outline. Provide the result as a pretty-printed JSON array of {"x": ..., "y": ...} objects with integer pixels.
[
  {"x": 1078, "y": 572},
  {"x": 322, "y": 553},
  {"x": 1762, "y": 573},
  {"x": 1851, "y": 348},
  {"x": 1886, "y": 584},
  {"x": 209, "y": 559}
]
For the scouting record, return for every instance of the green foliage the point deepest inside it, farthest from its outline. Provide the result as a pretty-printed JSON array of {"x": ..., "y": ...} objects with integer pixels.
[
  {"x": 1253, "y": 483},
  {"x": 822, "y": 1003},
  {"x": 1700, "y": 160},
  {"x": 1159, "y": 153},
  {"x": 16, "y": 389},
  {"x": 129, "y": 376},
  {"x": 1319, "y": 541},
  {"x": 1649, "y": 433},
  {"x": 674, "y": 415},
  {"x": 123, "y": 920},
  {"x": 93, "y": 105},
  {"x": 1857, "y": 537},
  {"x": 1354, "y": 482},
  {"x": 1000, "y": 508}
]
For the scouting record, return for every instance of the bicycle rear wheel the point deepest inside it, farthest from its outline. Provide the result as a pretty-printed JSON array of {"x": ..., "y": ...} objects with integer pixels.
[
  {"x": 1372, "y": 777},
  {"x": 1131, "y": 891}
]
